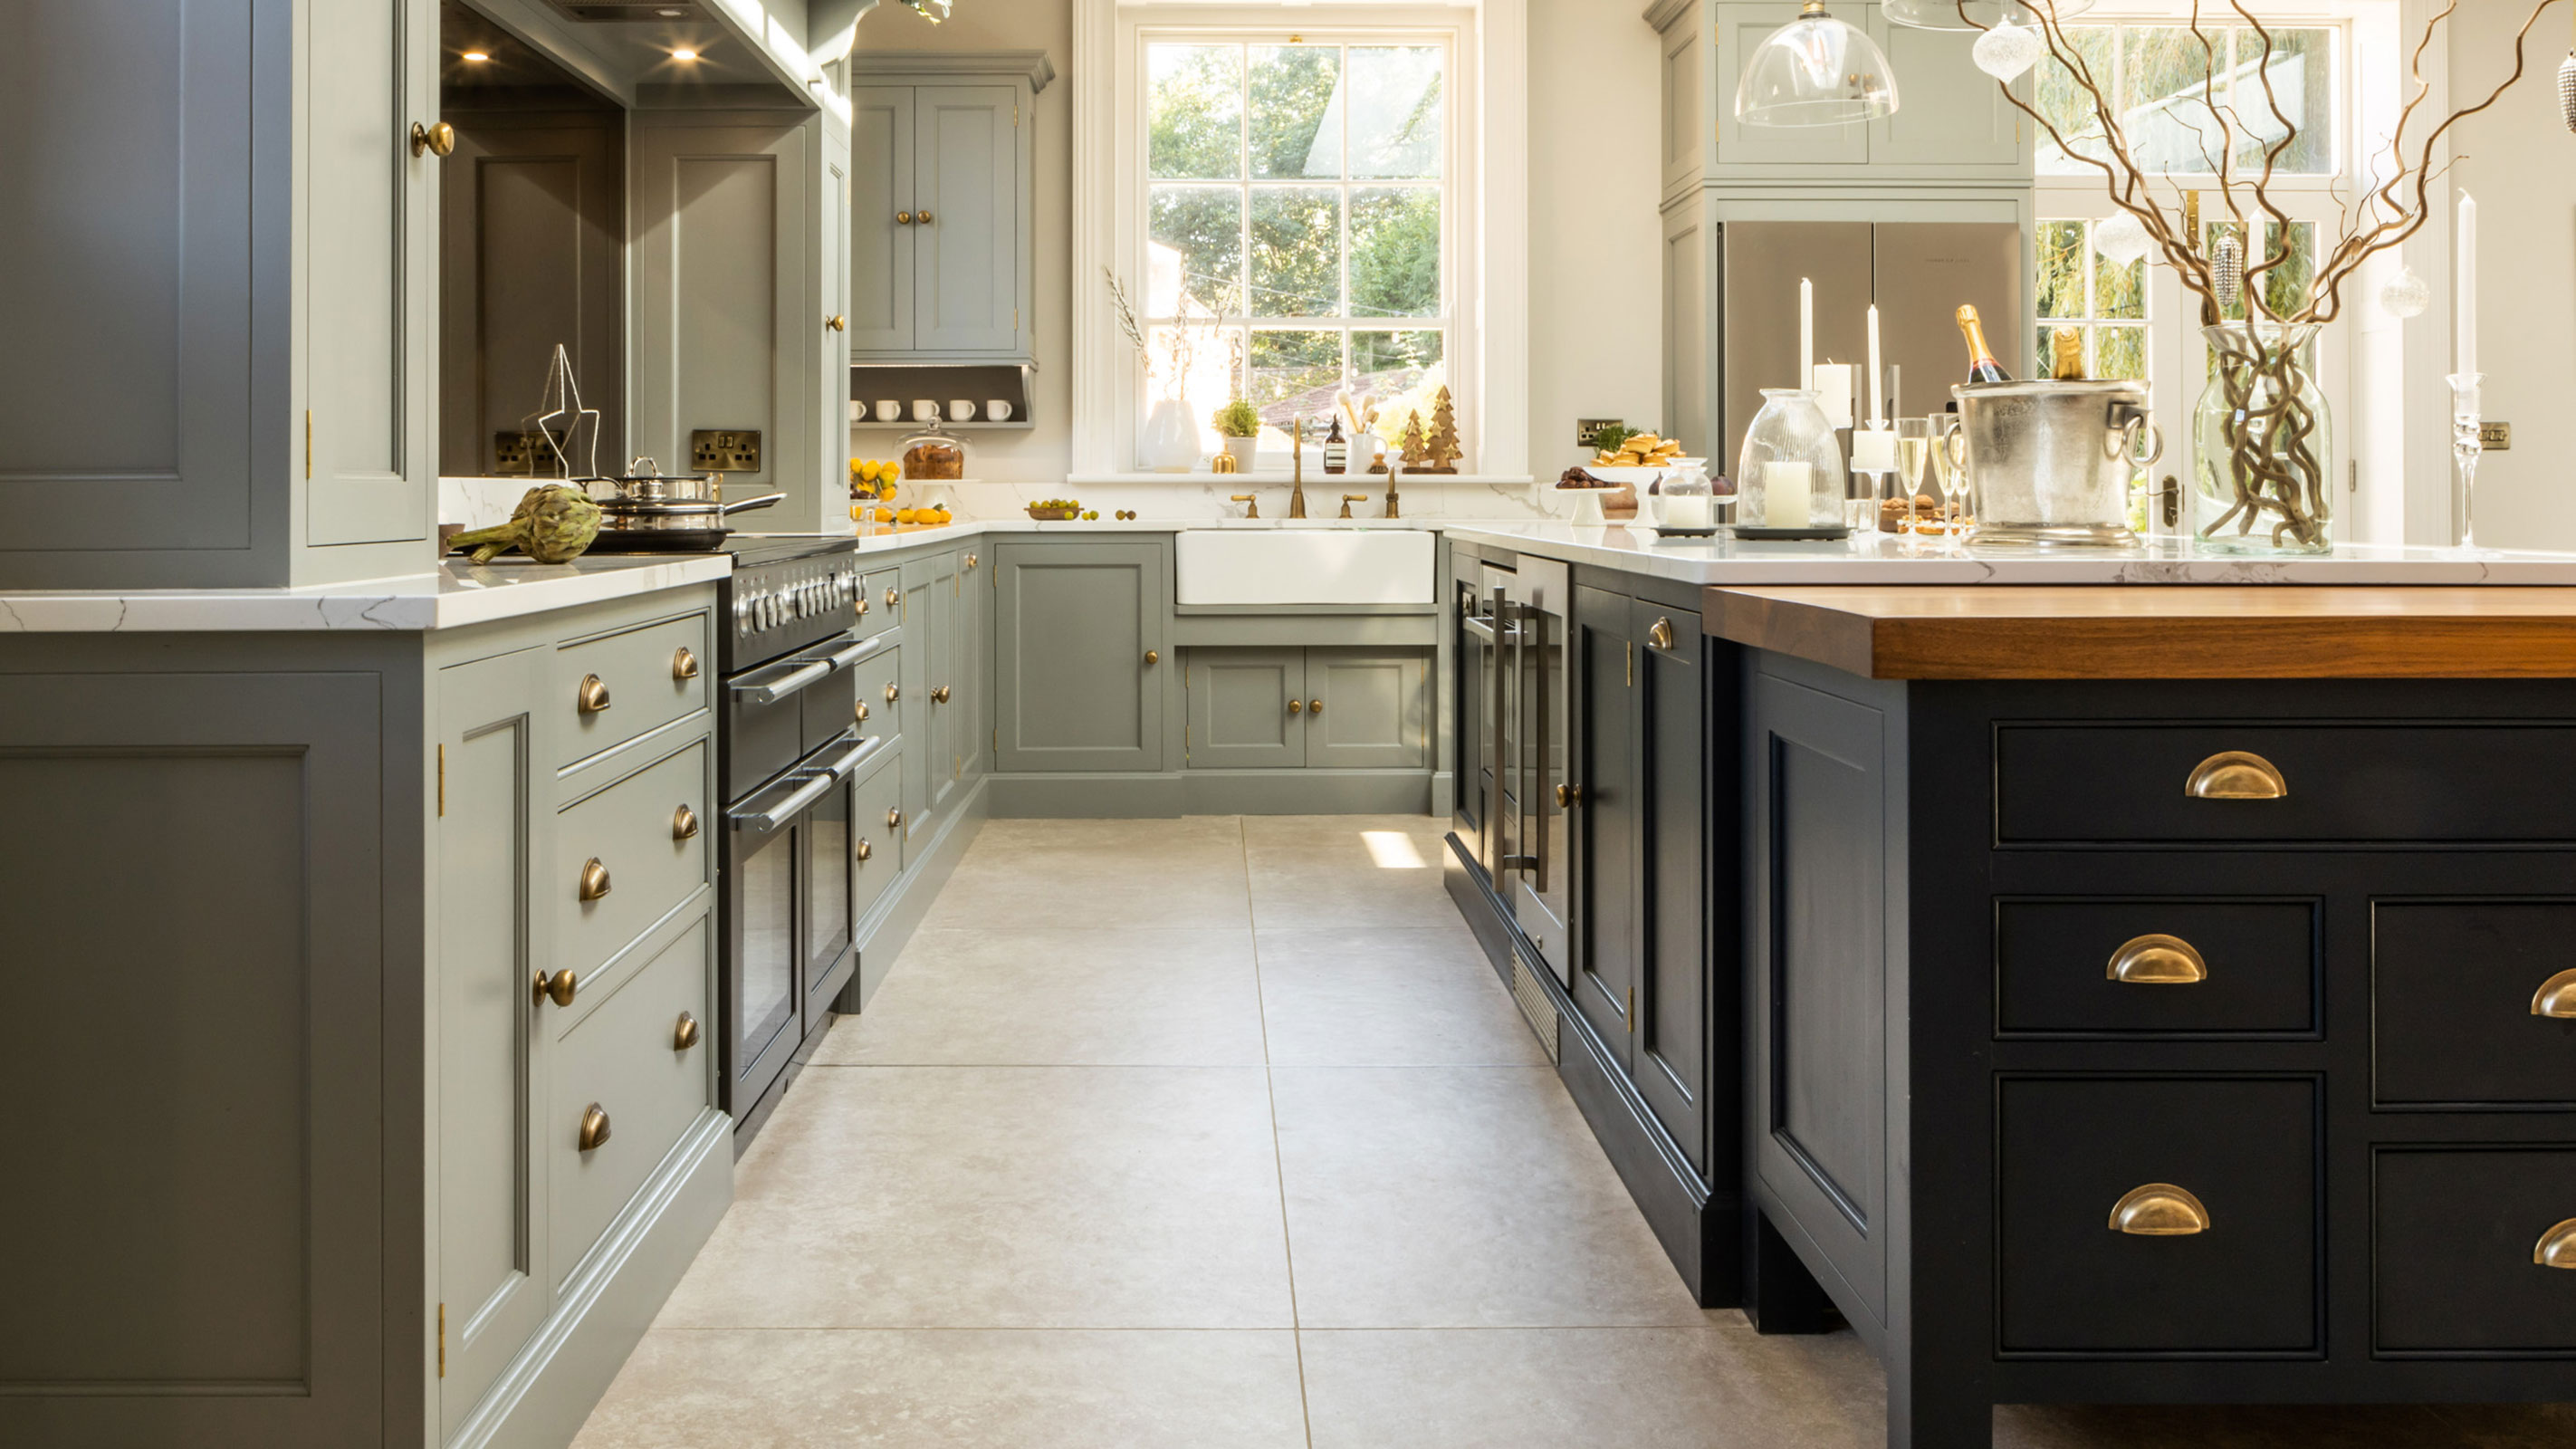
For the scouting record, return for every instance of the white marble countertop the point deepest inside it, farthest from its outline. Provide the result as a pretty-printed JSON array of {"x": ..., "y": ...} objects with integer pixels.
[
  {"x": 1883, "y": 559},
  {"x": 458, "y": 594}
]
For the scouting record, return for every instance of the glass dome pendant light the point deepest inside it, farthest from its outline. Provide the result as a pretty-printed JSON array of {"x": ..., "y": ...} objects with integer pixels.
[
  {"x": 1815, "y": 71},
  {"x": 1982, "y": 14}
]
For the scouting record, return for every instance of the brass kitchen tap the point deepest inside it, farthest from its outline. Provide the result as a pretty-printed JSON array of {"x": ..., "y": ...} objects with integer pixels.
[
  {"x": 1297, "y": 468},
  {"x": 1393, "y": 468},
  {"x": 1350, "y": 498}
]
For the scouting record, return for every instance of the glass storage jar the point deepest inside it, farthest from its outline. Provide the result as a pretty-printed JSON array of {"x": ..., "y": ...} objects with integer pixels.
[{"x": 933, "y": 455}]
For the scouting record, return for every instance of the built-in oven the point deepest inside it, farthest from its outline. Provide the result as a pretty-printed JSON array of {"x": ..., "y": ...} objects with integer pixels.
[{"x": 1512, "y": 792}]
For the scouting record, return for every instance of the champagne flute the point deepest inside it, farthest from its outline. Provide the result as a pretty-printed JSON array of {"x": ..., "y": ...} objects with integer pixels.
[{"x": 1913, "y": 449}]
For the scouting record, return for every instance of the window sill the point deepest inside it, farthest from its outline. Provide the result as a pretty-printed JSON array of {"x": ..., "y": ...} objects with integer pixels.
[{"x": 1313, "y": 479}]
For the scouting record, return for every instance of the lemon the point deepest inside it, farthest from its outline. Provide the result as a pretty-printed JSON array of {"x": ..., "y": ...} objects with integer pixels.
[
  {"x": 885, "y": 515},
  {"x": 869, "y": 469}
]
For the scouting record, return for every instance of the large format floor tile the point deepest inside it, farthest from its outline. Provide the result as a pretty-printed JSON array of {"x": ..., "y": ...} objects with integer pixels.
[
  {"x": 1056, "y": 997},
  {"x": 1459, "y": 1197},
  {"x": 1358, "y": 870},
  {"x": 1098, "y": 874},
  {"x": 964, "y": 1389},
  {"x": 1388, "y": 996},
  {"x": 1002, "y": 1197}
]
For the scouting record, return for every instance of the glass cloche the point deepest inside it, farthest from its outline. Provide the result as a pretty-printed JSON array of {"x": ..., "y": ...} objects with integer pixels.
[{"x": 1790, "y": 475}]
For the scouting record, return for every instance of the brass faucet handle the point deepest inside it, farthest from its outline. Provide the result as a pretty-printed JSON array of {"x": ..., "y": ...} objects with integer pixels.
[
  {"x": 1350, "y": 498},
  {"x": 1252, "y": 512}
]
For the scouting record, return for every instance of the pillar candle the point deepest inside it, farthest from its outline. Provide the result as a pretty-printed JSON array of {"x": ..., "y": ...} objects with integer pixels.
[
  {"x": 1833, "y": 384},
  {"x": 1785, "y": 487}
]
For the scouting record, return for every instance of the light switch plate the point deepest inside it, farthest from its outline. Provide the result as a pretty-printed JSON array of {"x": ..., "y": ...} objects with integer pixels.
[
  {"x": 2495, "y": 437},
  {"x": 724, "y": 450}
]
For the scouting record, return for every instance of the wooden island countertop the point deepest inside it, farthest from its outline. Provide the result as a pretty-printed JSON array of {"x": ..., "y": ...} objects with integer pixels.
[{"x": 2158, "y": 631}]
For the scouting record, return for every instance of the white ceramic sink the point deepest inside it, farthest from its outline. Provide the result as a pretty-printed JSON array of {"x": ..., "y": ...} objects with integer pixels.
[{"x": 1305, "y": 566}]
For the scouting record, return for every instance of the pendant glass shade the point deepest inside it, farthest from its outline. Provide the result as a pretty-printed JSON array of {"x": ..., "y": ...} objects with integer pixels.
[
  {"x": 1815, "y": 71},
  {"x": 1982, "y": 14}
]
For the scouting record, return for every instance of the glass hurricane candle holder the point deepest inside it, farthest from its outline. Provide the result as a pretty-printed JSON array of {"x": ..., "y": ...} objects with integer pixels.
[{"x": 1790, "y": 472}]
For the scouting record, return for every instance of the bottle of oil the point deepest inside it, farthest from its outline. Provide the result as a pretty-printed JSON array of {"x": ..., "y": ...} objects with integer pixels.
[
  {"x": 1982, "y": 366},
  {"x": 1337, "y": 451}
]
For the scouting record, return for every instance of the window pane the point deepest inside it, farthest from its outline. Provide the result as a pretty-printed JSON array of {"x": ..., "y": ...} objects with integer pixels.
[
  {"x": 2061, "y": 269},
  {"x": 1294, "y": 374},
  {"x": 1395, "y": 111},
  {"x": 1195, "y": 364},
  {"x": 2170, "y": 123},
  {"x": 1296, "y": 252},
  {"x": 2069, "y": 108},
  {"x": 1195, "y": 114},
  {"x": 2300, "y": 71},
  {"x": 1395, "y": 251},
  {"x": 2119, "y": 291},
  {"x": 1196, "y": 250},
  {"x": 1296, "y": 111},
  {"x": 2285, "y": 283},
  {"x": 2119, "y": 352},
  {"x": 1386, "y": 363}
]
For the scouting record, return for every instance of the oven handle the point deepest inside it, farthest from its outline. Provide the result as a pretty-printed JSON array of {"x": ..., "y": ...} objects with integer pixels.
[
  {"x": 807, "y": 670},
  {"x": 813, "y": 788}
]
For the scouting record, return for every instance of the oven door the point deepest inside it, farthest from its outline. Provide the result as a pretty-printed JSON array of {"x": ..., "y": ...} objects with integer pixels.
[{"x": 779, "y": 712}]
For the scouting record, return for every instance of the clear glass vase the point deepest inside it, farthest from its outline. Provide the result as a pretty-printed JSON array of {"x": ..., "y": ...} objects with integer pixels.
[
  {"x": 2263, "y": 464},
  {"x": 1790, "y": 474}
]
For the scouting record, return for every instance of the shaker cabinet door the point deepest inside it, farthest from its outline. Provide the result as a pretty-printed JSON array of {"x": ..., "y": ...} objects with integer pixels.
[
  {"x": 1605, "y": 815},
  {"x": 967, "y": 220},
  {"x": 1671, "y": 1063},
  {"x": 881, "y": 247},
  {"x": 1366, "y": 709},
  {"x": 1080, "y": 656},
  {"x": 1247, "y": 708}
]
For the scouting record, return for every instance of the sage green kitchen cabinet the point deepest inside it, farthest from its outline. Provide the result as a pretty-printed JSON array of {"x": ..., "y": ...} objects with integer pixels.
[
  {"x": 240, "y": 389},
  {"x": 975, "y": 661},
  {"x": 941, "y": 216},
  {"x": 930, "y": 759},
  {"x": 1318, "y": 707},
  {"x": 1079, "y": 654},
  {"x": 1247, "y": 708}
]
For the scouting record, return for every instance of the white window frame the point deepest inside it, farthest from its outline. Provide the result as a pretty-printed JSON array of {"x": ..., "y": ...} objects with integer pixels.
[{"x": 1485, "y": 174}]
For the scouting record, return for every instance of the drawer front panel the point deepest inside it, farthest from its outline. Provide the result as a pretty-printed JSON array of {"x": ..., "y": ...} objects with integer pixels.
[
  {"x": 2454, "y": 985},
  {"x": 879, "y": 795},
  {"x": 2069, "y": 1150},
  {"x": 2454, "y": 1234},
  {"x": 2343, "y": 783},
  {"x": 878, "y": 675},
  {"x": 649, "y": 861},
  {"x": 2125, "y": 966},
  {"x": 875, "y": 614},
  {"x": 626, "y": 1058},
  {"x": 644, "y": 678}
]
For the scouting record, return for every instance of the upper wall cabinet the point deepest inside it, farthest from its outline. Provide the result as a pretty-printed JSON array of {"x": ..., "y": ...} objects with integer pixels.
[
  {"x": 940, "y": 214},
  {"x": 1952, "y": 123},
  {"x": 221, "y": 230}
]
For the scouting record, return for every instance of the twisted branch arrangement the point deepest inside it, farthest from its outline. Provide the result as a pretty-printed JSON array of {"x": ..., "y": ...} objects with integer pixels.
[{"x": 2274, "y": 437}]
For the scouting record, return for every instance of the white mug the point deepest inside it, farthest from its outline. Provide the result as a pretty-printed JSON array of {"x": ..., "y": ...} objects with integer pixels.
[
  {"x": 924, "y": 410},
  {"x": 889, "y": 411},
  {"x": 997, "y": 409},
  {"x": 961, "y": 410}
]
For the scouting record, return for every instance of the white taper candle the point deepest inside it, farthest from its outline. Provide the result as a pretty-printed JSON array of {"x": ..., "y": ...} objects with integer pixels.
[{"x": 2465, "y": 267}]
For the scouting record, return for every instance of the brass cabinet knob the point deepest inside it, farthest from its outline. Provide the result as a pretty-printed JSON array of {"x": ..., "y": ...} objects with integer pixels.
[
  {"x": 866, "y": 849},
  {"x": 437, "y": 137},
  {"x": 863, "y": 603},
  {"x": 684, "y": 663},
  {"x": 837, "y": 322},
  {"x": 1296, "y": 706},
  {"x": 2236, "y": 775},
  {"x": 594, "y": 879},
  {"x": 1661, "y": 635},
  {"x": 923, "y": 217},
  {"x": 594, "y": 1126},
  {"x": 684, "y": 1033},
  {"x": 684, "y": 824},
  {"x": 970, "y": 560},
  {"x": 592, "y": 697},
  {"x": 2557, "y": 1247},
  {"x": 859, "y": 711},
  {"x": 893, "y": 693},
  {"x": 1568, "y": 796},
  {"x": 894, "y": 819},
  {"x": 2159, "y": 1210},
  {"x": 2556, "y": 996},
  {"x": 1153, "y": 656},
  {"x": 559, "y": 988},
  {"x": 939, "y": 695},
  {"x": 1314, "y": 706},
  {"x": 894, "y": 597},
  {"x": 2162, "y": 961},
  {"x": 903, "y": 218}
]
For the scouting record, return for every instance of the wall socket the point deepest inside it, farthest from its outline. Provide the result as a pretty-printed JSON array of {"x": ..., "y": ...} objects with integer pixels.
[
  {"x": 2495, "y": 437},
  {"x": 724, "y": 450},
  {"x": 524, "y": 454},
  {"x": 1587, "y": 431}
]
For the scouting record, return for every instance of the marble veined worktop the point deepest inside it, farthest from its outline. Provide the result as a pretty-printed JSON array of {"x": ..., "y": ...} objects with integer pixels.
[{"x": 456, "y": 594}]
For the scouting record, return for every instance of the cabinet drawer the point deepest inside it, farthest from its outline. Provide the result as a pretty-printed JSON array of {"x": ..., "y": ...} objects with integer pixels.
[
  {"x": 2457, "y": 1014},
  {"x": 2156, "y": 967},
  {"x": 2342, "y": 783},
  {"x": 2455, "y": 1234},
  {"x": 2069, "y": 1150},
  {"x": 877, "y": 613},
  {"x": 650, "y": 856},
  {"x": 646, "y": 678},
  {"x": 876, "y": 845},
  {"x": 880, "y": 692},
  {"x": 626, "y": 1058}
]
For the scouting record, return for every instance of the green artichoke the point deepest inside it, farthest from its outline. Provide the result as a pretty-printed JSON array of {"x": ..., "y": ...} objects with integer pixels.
[{"x": 552, "y": 525}]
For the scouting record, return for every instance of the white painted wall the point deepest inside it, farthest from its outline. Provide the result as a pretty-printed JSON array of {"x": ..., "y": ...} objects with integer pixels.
[
  {"x": 2520, "y": 162},
  {"x": 1595, "y": 235}
]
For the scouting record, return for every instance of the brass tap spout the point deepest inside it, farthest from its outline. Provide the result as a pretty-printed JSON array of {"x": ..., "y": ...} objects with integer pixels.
[
  {"x": 1297, "y": 468},
  {"x": 1394, "y": 469}
]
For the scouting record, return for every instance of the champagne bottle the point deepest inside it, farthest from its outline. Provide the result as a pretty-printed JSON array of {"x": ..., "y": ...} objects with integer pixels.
[
  {"x": 2068, "y": 346},
  {"x": 1982, "y": 366}
]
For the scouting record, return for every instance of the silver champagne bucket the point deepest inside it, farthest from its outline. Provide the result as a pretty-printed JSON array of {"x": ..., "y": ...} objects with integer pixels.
[{"x": 2049, "y": 463}]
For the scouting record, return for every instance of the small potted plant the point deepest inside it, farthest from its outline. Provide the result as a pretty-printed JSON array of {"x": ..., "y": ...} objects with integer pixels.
[{"x": 1241, "y": 427}]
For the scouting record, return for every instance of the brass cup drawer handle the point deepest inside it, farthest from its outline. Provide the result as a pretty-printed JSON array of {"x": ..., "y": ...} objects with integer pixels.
[
  {"x": 1296, "y": 706},
  {"x": 594, "y": 879},
  {"x": 684, "y": 1033},
  {"x": 894, "y": 819},
  {"x": 894, "y": 597},
  {"x": 939, "y": 695},
  {"x": 2556, "y": 996},
  {"x": 2236, "y": 775},
  {"x": 594, "y": 1127},
  {"x": 684, "y": 824},
  {"x": 2159, "y": 1210},
  {"x": 2557, "y": 1247},
  {"x": 866, "y": 849},
  {"x": 1661, "y": 635},
  {"x": 893, "y": 694},
  {"x": 684, "y": 664},
  {"x": 592, "y": 697},
  {"x": 2157, "y": 961},
  {"x": 859, "y": 711},
  {"x": 559, "y": 988}
]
